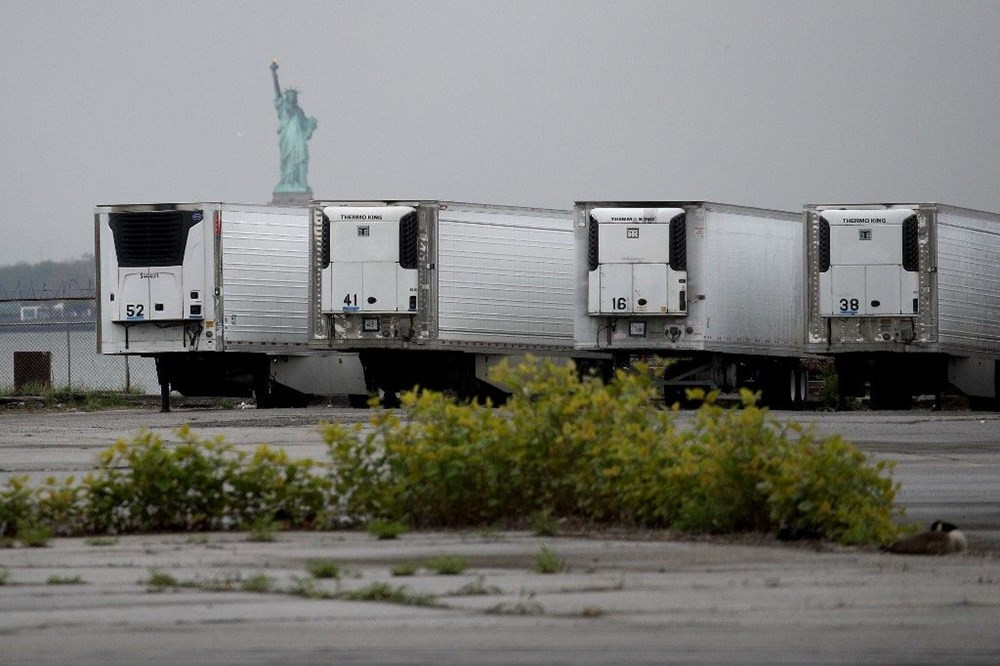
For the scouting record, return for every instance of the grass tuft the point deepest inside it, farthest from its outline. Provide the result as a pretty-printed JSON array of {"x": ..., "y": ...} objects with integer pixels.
[
  {"x": 323, "y": 569},
  {"x": 386, "y": 529},
  {"x": 405, "y": 569},
  {"x": 446, "y": 565},
  {"x": 546, "y": 562}
]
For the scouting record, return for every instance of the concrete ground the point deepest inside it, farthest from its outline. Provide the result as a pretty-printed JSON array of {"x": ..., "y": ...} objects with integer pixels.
[{"x": 641, "y": 597}]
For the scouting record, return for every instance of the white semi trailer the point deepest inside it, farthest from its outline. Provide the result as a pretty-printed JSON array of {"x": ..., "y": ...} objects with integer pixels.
[
  {"x": 432, "y": 293},
  {"x": 906, "y": 299},
  {"x": 716, "y": 289},
  {"x": 217, "y": 293}
]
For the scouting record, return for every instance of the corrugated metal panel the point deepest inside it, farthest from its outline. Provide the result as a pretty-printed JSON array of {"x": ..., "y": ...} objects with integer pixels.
[
  {"x": 752, "y": 279},
  {"x": 968, "y": 280},
  {"x": 265, "y": 276},
  {"x": 505, "y": 277}
]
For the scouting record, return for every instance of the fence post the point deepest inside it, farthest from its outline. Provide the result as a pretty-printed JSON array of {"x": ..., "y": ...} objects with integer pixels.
[{"x": 69, "y": 360}]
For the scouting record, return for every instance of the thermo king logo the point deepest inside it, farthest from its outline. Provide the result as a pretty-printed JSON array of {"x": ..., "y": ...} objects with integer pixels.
[
  {"x": 364, "y": 230},
  {"x": 632, "y": 232}
]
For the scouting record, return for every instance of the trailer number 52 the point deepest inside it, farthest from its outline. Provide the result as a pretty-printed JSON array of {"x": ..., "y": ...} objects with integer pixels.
[
  {"x": 848, "y": 305},
  {"x": 134, "y": 310}
]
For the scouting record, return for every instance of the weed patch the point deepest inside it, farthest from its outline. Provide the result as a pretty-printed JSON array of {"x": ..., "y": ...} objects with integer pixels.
[
  {"x": 475, "y": 588},
  {"x": 323, "y": 569},
  {"x": 380, "y": 591},
  {"x": 159, "y": 581},
  {"x": 65, "y": 580},
  {"x": 525, "y": 605},
  {"x": 446, "y": 565},
  {"x": 34, "y": 536},
  {"x": 546, "y": 562},
  {"x": 386, "y": 529},
  {"x": 259, "y": 583}
]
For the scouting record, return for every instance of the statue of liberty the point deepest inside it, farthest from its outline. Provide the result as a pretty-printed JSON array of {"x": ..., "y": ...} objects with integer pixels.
[{"x": 294, "y": 131}]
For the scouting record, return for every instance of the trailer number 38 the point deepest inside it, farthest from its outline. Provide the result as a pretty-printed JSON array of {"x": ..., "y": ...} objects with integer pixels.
[{"x": 849, "y": 305}]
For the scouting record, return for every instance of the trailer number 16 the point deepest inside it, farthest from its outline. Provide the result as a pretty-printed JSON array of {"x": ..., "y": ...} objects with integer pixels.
[
  {"x": 620, "y": 303},
  {"x": 848, "y": 305}
]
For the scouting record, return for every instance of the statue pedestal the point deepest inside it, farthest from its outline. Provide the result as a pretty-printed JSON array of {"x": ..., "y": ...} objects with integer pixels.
[{"x": 291, "y": 198}]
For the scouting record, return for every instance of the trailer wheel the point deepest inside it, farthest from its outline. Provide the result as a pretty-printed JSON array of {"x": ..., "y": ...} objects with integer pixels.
[
  {"x": 390, "y": 399},
  {"x": 262, "y": 390},
  {"x": 887, "y": 393}
]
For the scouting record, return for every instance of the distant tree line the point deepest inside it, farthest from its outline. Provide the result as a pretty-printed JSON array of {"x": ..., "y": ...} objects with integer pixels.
[{"x": 74, "y": 278}]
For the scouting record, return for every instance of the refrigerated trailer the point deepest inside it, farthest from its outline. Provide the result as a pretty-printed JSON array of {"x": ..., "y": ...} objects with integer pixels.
[
  {"x": 716, "y": 289},
  {"x": 433, "y": 293},
  {"x": 906, "y": 299},
  {"x": 217, "y": 294}
]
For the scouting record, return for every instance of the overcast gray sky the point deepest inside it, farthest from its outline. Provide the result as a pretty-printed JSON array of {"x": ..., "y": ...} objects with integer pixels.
[{"x": 771, "y": 104}]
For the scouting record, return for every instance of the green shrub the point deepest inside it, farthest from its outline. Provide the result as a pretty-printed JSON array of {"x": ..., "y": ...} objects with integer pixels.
[
  {"x": 4, "y": 576},
  {"x": 147, "y": 486},
  {"x": 17, "y": 505},
  {"x": 543, "y": 523},
  {"x": 262, "y": 529},
  {"x": 34, "y": 536},
  {"x": 65, "y": 580},
  {"x": 61, "y": 505},
  {"x": 271, "y": 484},
  {"x": 572, "y": 446}
]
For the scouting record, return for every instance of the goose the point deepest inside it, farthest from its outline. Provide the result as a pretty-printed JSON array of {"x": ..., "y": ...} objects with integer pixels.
[{"x": 942, "y": 538}]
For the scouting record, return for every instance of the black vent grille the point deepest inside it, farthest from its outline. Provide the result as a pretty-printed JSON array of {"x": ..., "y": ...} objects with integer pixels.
[
  {"x": 678, "y": 243},
  {"x": 824, "y": 246},
  {"x": 152, "y": 238},
  {"x": 911, "y": 246},
  {"x": 325, "y": 242},
  {"x": 408, "y": 245},
  {"x": 592, "y": 255}
]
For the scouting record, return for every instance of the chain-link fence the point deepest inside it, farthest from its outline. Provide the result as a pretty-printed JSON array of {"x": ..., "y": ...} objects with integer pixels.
[{"x": 54, "y": 343}]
